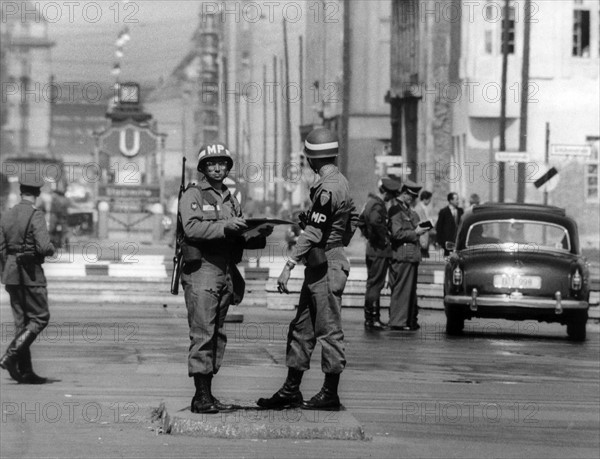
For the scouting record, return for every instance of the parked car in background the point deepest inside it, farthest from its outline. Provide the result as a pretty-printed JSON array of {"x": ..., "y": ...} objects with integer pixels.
[{"x": 517, "y": 262}]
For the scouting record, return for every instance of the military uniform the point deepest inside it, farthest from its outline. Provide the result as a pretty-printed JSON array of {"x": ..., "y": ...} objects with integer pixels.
[
  {"x": 210, "y": 279},
  {"x": 404, "y": 264},
  {"x": 319, "y": 310},
  {"x": 328, "y": 228},
  {"x": 373, "y": 224},
  {"x": 24, "y": 242}
]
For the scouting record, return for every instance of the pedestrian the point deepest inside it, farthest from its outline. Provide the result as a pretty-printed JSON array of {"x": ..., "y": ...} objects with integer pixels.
[
  {"x": 373, "y": 225},
  {"x": 448, "y": 221},
  {"x": 59, "y": 212},
  {"x": 406, "y": 255},
  {"x": 423, "y": 210},
  {"x": 474, "y": 200},
  {"x": 212, "y": 245},
  {"x": 329, "y": 227},
  {"x": 24, "y": 242}
]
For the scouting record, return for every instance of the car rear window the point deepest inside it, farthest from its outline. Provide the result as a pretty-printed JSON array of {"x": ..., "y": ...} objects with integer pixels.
[{"x": 519, "y": 232}]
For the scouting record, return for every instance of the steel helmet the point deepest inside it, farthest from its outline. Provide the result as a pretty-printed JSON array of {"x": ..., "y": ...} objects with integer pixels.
[
  {"x": 321, "y": 143},
  {"x": 214, "y": 151}
]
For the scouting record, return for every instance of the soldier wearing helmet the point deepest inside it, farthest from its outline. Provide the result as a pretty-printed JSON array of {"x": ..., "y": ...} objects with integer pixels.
[
  {"x": 373, "y": 225},
  {"x": 24, "y": 242},
  {"x": 329, "y": 226},
  {"x": 213, "y": 243}
]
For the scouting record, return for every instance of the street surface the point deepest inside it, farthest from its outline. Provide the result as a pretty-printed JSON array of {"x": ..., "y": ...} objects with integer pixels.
[{"x": 505, "y": 389}]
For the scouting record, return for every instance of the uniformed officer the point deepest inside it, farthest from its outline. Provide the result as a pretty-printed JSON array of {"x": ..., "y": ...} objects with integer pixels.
[
  {"x": 406, "y": 255},
  {"x": 212, "y": 246},
  {"x": 330, "y": 224},
  {"x": 24, "y": 242},
  {"x": 373, "y": 224}
]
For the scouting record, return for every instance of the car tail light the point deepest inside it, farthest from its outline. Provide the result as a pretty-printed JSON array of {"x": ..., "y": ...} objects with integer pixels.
[
  {"x": 457, "y": 276},
  {"x": 576, "y": 280}
]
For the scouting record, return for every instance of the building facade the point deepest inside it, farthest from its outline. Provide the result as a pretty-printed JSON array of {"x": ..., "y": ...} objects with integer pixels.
[
  {"x": 563, "y": 94},
  {"x": 27, "y": 87},
  {"x": 348, "y": 70},
  {"x": 446, "y": 68}
]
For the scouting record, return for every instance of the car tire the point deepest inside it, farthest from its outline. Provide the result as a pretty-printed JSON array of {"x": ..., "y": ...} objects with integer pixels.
[
  {"x": 455, "y": 323},
  {"x": 576, "y": 327}
]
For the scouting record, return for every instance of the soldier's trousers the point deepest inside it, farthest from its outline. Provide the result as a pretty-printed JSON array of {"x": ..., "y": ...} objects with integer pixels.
[
  {"x": 377, "y": 268},
  {"x": 29, "y": 307},
  {"x": 208, "y": 294},
  {"x": 403, "y": 299},
  {"x": 319, "y": 317}
]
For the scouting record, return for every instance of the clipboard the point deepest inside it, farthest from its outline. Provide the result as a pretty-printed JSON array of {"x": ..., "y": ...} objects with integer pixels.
[{"x": 256, "y": 224}]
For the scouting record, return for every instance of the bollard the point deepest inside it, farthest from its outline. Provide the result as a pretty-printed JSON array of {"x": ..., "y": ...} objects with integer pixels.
[{"x": 103, "y": 208}]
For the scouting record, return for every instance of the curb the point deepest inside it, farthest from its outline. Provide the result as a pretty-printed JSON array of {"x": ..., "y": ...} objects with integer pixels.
[{"x": 249, "y": 422}]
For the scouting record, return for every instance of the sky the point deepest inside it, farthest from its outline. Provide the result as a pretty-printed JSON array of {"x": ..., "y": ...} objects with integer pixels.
[{"x": 161, "y": 33}]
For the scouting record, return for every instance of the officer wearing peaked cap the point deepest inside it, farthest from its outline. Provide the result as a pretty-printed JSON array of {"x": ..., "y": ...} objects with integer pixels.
[
  {"x": 373, "y": 225},
  {"x": 24, "y": 242},
  {"x": 212, "y": 245},
  {"x": 406, "y": 255},
  {"x": 329, "y": 226}
]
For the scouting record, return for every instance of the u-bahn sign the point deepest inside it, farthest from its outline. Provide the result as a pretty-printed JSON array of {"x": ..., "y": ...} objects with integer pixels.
[{"x": 129, "y": 139}]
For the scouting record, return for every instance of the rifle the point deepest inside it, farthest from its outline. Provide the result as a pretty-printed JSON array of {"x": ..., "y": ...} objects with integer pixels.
[{"x": 178, "y": 258}]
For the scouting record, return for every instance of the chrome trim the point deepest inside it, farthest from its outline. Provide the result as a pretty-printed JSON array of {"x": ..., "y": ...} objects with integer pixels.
[
  {"x": 558, "y": 309},
  {"x": 525, "y": 302}
]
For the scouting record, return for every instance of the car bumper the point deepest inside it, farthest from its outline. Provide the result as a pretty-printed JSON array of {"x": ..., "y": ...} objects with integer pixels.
[{"x": 475, "y": 303}]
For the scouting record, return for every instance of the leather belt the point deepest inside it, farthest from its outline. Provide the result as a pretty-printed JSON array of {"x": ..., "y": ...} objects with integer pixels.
[{"x": 333, "y": 245}]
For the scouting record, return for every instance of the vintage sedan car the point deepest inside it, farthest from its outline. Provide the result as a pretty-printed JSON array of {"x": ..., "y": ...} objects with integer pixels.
[{"x": 517, "y": 262}]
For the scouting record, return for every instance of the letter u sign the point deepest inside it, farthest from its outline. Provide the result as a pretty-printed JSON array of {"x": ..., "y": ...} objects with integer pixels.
[{"x": 129, "y": 141}]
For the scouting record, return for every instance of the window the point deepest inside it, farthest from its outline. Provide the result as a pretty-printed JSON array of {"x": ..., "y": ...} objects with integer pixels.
[
  {"x": 488, "y": 42},
  {"x": 592, "y": 172},
  {"x": 581, "y": 33}
]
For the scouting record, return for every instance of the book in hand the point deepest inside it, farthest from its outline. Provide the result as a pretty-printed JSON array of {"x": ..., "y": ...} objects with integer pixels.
[{"x": 426, "y": 224}]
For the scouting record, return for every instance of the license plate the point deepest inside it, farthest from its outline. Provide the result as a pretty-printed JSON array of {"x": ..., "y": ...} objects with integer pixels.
[{"x": 524, "y": 282}]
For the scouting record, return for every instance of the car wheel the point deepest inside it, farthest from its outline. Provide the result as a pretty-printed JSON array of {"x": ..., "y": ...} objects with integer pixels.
[
  {"x": 576, "y": 327},
  {"x": 455, "y": 323}
]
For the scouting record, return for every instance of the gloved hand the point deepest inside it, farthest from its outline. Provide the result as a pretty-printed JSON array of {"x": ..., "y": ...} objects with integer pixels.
[
  {"x": 235, "y": 226},
  {"x": 303, "y": 218}
]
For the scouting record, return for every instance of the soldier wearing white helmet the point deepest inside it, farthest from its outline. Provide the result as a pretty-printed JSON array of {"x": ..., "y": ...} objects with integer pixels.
[
  {"x": 329, "y": 226},
  {"x": 213, "y": 243}
]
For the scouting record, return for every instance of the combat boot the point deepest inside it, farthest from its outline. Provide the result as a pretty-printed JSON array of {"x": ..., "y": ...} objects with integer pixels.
[
  {"x": 377, "y": 323},
  {"x": 327, "y": 399},
  {"x": 9, "y": 360},
  {"x": 26, "y": 369},
  {"x": 368, "y": 316},
  {"x": 289, "y": 396},
  {"x": 216, "y": 402},
  {"x": 202, "y": 401}
]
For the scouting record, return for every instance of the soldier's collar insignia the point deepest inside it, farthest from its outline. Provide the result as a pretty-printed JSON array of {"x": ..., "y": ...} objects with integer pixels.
[
  {"x": 324, "y": 198},
  {"x": 194, "y": 205}
]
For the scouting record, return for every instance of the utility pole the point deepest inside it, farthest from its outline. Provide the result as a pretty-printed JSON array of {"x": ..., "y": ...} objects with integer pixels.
[
  {"x": 505, "y": 28},
  {"x": 301, "y": 77},
  {"x": 275, "y": 130},
  {"x": 265, "y": 138},
  {"x": 288, "y": 117},
  {"x": 547, "y": 158},
  {"x": 346, "y": 99},
  {"x": 524, "y": 101}
]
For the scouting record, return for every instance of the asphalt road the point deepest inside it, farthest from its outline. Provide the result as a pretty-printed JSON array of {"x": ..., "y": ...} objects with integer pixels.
[{"x": 504, "y": 389}]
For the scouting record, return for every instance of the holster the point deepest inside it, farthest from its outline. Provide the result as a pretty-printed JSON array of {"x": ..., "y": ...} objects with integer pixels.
[
  {"x": 316, "y": 257},
  {"x": 26, "y": 259},
  {"x": 190, "y": 252}
]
